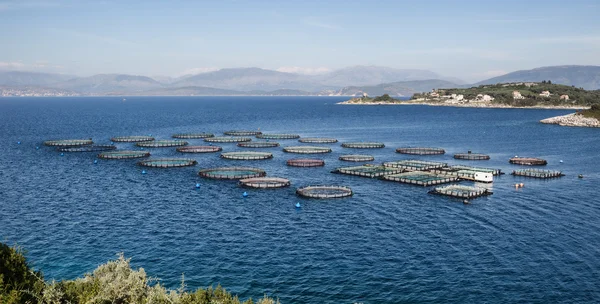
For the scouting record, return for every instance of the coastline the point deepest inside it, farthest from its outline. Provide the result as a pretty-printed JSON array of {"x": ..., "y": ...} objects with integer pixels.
[
  {"x": 573, "y": 120},
  {"x": 461, "y": 105}
]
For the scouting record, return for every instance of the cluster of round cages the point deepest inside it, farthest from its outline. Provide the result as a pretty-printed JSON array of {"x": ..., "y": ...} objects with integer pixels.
[
  {"x": 91, "y": 148},
  {"x": 247, "y": 155},
  {"x": 278, "y": 136},
  {"x": 192, "y": 135},
  {"x": 363, "y": 145},
  {"x": 265, "y": 182},
  {"x": 232, "y": 173},
  {"x": 168, "y": 162},
  {"x": 258, "y": 144},
  {"x": 199, "y": 149},
  {"x": 306, "y": 150},
  {"x": 357, "y": 158},
  {"x": 421, "y": 151},
  {"x": 123, "y": 154},
  {"x": 305, "y": 162},
  {"x": 471, "y": 156},
  {"x": 135, "y": 138},
  {"x": 324, "y": 191},
  {"x": 64, "y": 143},
  {"x": 227, "y": 139},
  {"x": 318, "y": 140},
  {"x": 162, "y": 143},
  {"x": 528, "y": 161},
  {"x": 242, "y": 133}
]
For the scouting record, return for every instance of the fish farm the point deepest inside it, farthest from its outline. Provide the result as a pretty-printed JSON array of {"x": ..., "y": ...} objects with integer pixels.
[
  {"x": 232, "y": 173},
  {"x": 494, "y": 172},
  {"x": 168, "y": 162},
  {"x": 161, "y": 143},
  {"x": 421, "y": 151},
  {"x": 420, "y": 178},
  {"x": 461, "y": 191},
  {"x": 415, "y": 165},
  {"x": 258, "y": 144},
  {"x": 324, "y": 191},
  {"x": 363, "y": 145},
  {"x": 242, "y": 133},
  {"x": 357, "y": 158},
  {"x": 199, "y": 149},
  {"x": 278, "y": 136},
  {"x": 227, "y": 139},
  {"x": 318, "y": 140},
  {"x": 265, "y": 182},
  {"x": 92, "y": 148},
  {"x": 68, "y": 142},
  {"x": 247, "y": 155},
  {"x": 306, "y": 150},
  {"x": 305, "y": 162},
  {"x": 368, "y": 171},
  {"x": 528, "y": 161},
  {"x": 193, "y": 135},
  {"x": 537, "y": 173},
  {"x": 471, "y": 156},
  {"x": 132, "y": 138},
  {"x": 123, "y": 154}
]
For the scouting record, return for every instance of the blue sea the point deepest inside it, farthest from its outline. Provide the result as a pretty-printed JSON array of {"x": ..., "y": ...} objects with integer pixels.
[{"x": 389, "y": 243}]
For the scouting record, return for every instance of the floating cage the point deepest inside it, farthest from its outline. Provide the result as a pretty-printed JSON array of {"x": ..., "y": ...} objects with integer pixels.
[
  {"x": 368, "y": 171},
  {"x": 318, "y": 140},
  {"x": 199, "y": 149},
  {"x": 68, "y": 142},
  {"x": 192, "y": 135},
  {"x": 324, "y": 191},
  {"x": 537, "y": 173},
  {"x": 232, "y": 173},
  {"x": 484, "y": 175},
  {"x": 227, "y": 139},
  {"x": 161, "y": 143},
  {"x": 278, "y": 136},
  {"x": 421, "y": 151},
  {"x": 461, "y": 191},
  {"x": 247, "y": 155},
  {"x": 132, "y": 138},
  {"x": 421, "y": 178},
  {"x": 258, "y": 144},
  {"x": 123, "y": 154},
  {"x": 415, "y": 165},
  {"x": 357, "y": 158},
  {"x": 471, "y": 156},
  {"x": 92, "y": 148},
  {"x": 363, "y": 145},
  {"x": 528, "y": 161},
  {"x": 168, "y": 162},
  {"x": 242, "y": 133},
  {"x": 305, "y": 162},
  {"x": 494, "y": 172},
  {"x": 306, "y": 150},
  {"x": 265, "y": 182}
]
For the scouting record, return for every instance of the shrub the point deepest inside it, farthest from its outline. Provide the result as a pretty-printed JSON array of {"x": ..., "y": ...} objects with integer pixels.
[{"x": 18, "y": 282}]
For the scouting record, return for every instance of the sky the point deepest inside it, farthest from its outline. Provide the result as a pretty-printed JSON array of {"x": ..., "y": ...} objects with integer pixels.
[{"x": 471, "y": 40}]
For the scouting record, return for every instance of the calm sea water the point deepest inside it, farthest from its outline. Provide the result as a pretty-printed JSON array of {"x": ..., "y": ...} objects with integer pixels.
[{"x": 389, "y": 243}]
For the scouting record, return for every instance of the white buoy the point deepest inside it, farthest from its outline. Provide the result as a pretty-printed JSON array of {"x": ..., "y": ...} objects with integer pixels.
[
  {"x": 298, "y": 205},
  {"x": 197, "y": 185},
  {"x": 560, "y": 161}
]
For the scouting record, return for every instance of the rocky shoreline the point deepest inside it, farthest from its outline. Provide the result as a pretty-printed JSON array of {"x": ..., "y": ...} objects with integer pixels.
[
  {"x": 573, "y": 120},
  {"x": 458, "y": 105}
]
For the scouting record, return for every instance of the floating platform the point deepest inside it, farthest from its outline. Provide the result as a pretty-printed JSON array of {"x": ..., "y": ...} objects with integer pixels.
[
  {"x": 420, "y": 178},
  {"x": 363, "y": 145},
  {"x": 306, "y": 150},
  {"x": 537, "y": 173},
  {"x": 63, "y": 143},
  {"x": 249, "y": 155},
  {"x": 161, "y": 143},
  {"x": 528, "y": 161},
  {"x": 368, "y": 171},
  {"x": 278, "y": 136},
  {"x": 232, "y": 173},
  {"x": 258, "y": 144},
  {"x": 92, "y": 148},
  {"x": 134, "y": 138},
  {"x": 168, "y": 162},
  {"x": 318, "y": 140},
  {"x": 324, "y": 191},
  {"x": 123, "y": 154},
  {"x": 227, "y": 139},
  {"x": 265, "y": 182},
  {"x": 494, "y": 172},
  {"x": 471, "y": 156},
  {"x": 305, "y": 162},
  {"x": 415, "y": 165},
  {"x": 193, "y": 135},
  {"x": 357, "y": 158},
  {"x": 421, "y": 151},
  {"x": 461, "y": 191},
  {"x": 242, "y": 133},
  {"x": 199, "y": 149}
]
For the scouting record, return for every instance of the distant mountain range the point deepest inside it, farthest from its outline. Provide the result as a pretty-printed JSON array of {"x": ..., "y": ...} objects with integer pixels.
[{"x": 581, "y": 76}]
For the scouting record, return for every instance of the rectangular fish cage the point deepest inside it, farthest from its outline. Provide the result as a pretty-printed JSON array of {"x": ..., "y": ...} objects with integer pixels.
[
  {"x": 494, "y": 172},
  {"x": 537, "y": 173},
  {"x": 368, "y": 171},
  {"x": 415, "y": 165},
  {"x": 421, "y": 178},
  {"x": 459, "y": 191}
]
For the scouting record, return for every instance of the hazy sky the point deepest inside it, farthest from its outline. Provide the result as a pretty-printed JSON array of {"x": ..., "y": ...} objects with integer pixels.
[{"x": 471, "y": 40}]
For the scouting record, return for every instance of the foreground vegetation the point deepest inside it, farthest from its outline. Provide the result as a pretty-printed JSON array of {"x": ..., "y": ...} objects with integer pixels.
[
  {"x": 593, "y": 112},
  {"x": 114, "y": 282}
]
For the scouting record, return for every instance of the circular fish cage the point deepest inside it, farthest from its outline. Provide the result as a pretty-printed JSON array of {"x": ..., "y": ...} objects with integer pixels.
[
  {"x": 92, "y": 148},
  {"x": 242, "y": 133},
  {"x": 420, "y": 151},
  {"x": 528, "y": 161},
  {"x": 258, "y": 144},
  {"x": 471, "y": 156},
  {"x": 324, "y": 191},
  {"x": 318, "y": 140},
  {"x": 199, "y": 149},
  {"x": 68, "y": 142},
  {"x": 363, "y": 145},
  {"x": 192, "y": 135},
  {"x": 162, "y": 143},
  {"x": 306, "y": 150},
  {"x": 357, "y": 158},
  {"x": 232, "y": 173},
  {"x": 123, "y": 154},
  {"x": 305, "y": 162},
  {"x": 278, "y": 136},
  {"x": 168, "y": 162},
  {"x": 247, "y": 155},
  {"x": 227, "y": 139},
  {"x": 265, "y": 182},
  {"x": 132, "y": 138}
]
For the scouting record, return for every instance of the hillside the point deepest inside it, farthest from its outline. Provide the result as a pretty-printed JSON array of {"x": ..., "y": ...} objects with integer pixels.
[
  {"x": 587, "y": 77},
  {"x": 401, "y": 88},
  {"x": 373, "y": 75},
  {"x": 107, "y": 83}
]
